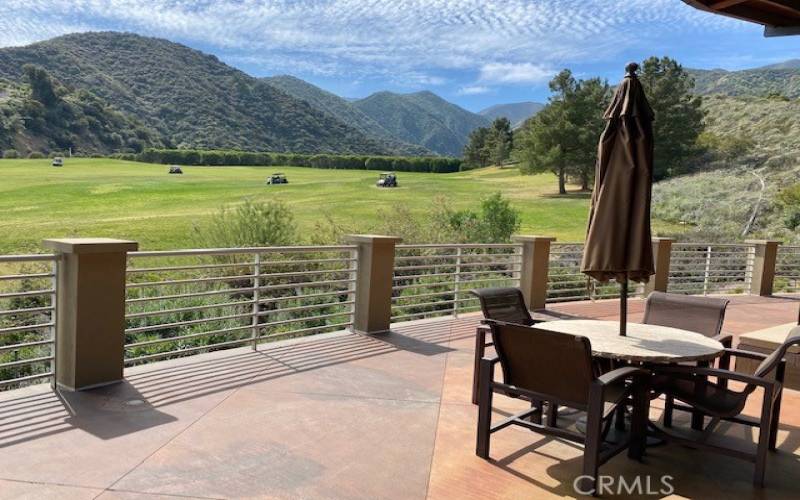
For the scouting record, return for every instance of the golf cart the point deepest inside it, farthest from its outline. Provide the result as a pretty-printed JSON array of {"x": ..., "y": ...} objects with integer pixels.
[
  {"x": 387, "y": 180},
  {"x": 277, "y": 179},
  {"x": 57, "y": 162},
  {"x": 174, "y": 169}
]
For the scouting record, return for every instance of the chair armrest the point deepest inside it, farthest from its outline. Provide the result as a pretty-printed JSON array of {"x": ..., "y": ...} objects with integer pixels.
[
  {"x": 726, "y": 339},
  {"x": 493, "y": 361},
  {"x": 715, "y": 372},
  {"x": 620, "y": 373},
  {"x": 741, "y": 353}
]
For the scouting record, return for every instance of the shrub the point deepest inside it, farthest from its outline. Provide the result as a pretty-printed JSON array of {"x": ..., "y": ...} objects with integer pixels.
[
  {"x": 35, "y": 155},
  {"x": 251, "y": 224},
  {"x": 333, "y": 161},
  {"x": 10, "y": 153}
]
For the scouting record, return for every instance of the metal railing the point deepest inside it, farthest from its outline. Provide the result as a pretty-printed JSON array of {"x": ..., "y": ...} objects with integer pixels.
[
  {"x": 27, "y": 318},
  {"x": 191, "y": 301},
  {"x": 434, "y": 280},
  {"x": 704, "y": 268},
  {"x": 566, "y": 282},
  {"x": 787, "y": 270}
]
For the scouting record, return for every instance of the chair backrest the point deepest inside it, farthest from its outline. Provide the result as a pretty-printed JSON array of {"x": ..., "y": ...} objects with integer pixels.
[
  {"x": 550, "y": 363},
  {"x": 769, "y": 365},
  {"x": 697, "y": 314},
  {"x": 504, "y": 304}
]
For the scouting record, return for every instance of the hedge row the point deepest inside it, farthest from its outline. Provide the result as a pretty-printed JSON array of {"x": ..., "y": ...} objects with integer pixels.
[{"x": 200, "y": 157}]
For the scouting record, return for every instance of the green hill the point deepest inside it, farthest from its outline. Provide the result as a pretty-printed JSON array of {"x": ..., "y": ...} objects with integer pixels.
[
  {"x": 782, "y": 78},
  {"x": 54, "y": 118},
  {"x": 423, "y": 118},
  {"x": 190, "y": 98},
  {"x": 343, "y": 110}
]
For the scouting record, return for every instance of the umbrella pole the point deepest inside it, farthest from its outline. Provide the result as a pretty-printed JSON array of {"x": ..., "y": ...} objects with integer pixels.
[{"x": 623, "y": 308}]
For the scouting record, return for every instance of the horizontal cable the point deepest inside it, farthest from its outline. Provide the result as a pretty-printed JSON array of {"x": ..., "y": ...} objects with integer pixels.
[
  {"x": 24, "y": 362},
  {"x": 16, "y": 347},
  {"x": 30, "y": 310},
  {"x": 25, "y": 328},
  {"x": 241, "y": 251},
  {"x": 25, "y": 379}
]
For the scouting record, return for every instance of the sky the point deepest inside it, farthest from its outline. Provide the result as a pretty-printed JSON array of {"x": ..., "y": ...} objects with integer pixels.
[{"x": 475, "y": 53}]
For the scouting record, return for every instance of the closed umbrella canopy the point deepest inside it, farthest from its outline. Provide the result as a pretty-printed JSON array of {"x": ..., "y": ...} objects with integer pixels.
[{"x": 619, "y": 240}]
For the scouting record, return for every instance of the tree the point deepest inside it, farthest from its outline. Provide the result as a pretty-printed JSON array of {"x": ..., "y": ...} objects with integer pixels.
[
  {"x": 562, "y": 137},
  {"x": 42, "y": 86},
  {"x": 679, "y": 117},
  {"x": 500, "y": 140},
  {"x": 476, "y": 154}
]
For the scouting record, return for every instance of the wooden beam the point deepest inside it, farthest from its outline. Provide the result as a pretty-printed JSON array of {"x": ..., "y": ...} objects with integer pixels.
[{"x": 724, "y": 4}]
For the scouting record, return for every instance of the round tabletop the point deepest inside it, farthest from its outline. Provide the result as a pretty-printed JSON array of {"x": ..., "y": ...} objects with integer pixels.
[{"x": 643, "y": 343}]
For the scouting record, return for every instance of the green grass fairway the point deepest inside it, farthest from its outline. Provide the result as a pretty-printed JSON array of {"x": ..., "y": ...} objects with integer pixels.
[{"x": 101, "y": 197}]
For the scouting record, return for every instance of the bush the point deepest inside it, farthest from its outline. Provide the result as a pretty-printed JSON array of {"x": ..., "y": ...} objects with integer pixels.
[
  {"x": 35, "y": 155},
  {"x": 10, "y": 153},
  {"x": 250, "y": 224},
  {"x": 330, "y": 161}
]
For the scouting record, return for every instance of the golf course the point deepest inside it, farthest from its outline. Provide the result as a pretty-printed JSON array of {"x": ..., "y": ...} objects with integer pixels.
[{"x": 139, "y": 201}]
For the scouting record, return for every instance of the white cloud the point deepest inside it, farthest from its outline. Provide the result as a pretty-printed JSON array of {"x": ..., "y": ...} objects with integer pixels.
[
  {"x": 416, "y": 41},
  {"x": 515, "y": 73},
  {"x": 473, "y": 90}
]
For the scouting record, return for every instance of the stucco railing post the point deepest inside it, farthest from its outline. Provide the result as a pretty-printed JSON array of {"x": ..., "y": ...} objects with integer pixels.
[
  {"x": 662, "y": 256},
  {"x": 762, "y": 267},
  {"x": 534, "y": 269},
  {"x": 90, "y": 311},
  {"x": 372, "y": 311}
]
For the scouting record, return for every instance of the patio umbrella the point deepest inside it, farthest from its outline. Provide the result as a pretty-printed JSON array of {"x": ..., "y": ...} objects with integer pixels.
[{"x": 618, "y": 238}]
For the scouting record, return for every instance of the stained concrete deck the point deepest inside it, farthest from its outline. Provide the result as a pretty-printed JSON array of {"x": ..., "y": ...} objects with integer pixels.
[{"x": 338, "y": 416}]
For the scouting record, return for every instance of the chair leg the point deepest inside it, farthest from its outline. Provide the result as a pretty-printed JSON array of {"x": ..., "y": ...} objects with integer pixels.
[
  {"x": 480, "y": 350},
  {"x": 591, "y": 451},
  {"x": 619, "y": 418},
  {"x": 698, "y": 418},
  {"x": 669, "y": 406},
  {"x": 641, "y": 409},
  {"x": 552, "y": 414},
  {"x": 775, "y": 422},
  {"x": 484, "y": 409},
  {"x": 764, "y": 435},
  {"x": 536, "y": 417}
]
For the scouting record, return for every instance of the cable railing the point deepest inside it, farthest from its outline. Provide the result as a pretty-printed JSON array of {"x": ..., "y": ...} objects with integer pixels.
[
  {"x": 27, "y": 318},
  {"x": 567, "y": 283},
  {"x": 565, "y": 280},
  {"x": 190, "y": 301},
  {"x": 435, "y": 280},
  {"x": 787, "y": 270},
  {"x": 707, "y": 268}
]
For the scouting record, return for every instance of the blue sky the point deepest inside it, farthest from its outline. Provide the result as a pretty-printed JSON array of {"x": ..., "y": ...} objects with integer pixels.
[{"x": 473, "y": 52}]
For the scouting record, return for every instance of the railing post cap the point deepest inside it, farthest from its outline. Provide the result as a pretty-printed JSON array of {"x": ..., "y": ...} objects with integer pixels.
[
  {"x": 372, "y": 238},
  {"x": 763, "y": 242},
  {"x": 90, "y": 245},
  {"x": 659, "y": 239},
  {"x": 532, "y": 238}
]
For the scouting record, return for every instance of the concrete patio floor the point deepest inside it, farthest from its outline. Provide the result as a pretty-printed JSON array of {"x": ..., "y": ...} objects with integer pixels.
[{"x": 339, "y": 416}]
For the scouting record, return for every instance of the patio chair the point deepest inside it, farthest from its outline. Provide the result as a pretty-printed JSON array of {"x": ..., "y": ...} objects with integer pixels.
[
  {"x": 499, "y": 304},
  {"x": 703, "y": 315},
  {"x": 690, "y": 385},
  {"x": 557, "y": 367}
]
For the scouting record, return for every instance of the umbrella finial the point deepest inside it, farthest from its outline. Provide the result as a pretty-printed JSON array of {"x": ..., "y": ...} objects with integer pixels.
[{"x": 631, "y": 68}]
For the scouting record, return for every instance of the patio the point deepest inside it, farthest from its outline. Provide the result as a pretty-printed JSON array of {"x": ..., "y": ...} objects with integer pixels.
[{"x": 338, "y": 416}]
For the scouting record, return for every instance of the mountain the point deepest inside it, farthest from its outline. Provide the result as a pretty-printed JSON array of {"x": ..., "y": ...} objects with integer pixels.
[
  {"x": 782, "y": 78},
  {"x": 46, "y": 116},
  {"x": 423, "y": 118},
  {"x": 190, "y": 98},
  {"x": 516, "y": 112},
  {"x": 343, "y": 110}
]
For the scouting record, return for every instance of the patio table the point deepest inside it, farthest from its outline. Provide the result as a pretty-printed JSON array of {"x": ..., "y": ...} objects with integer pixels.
[
  {"x": 651, "y": 344},
  {"x": 646, "y": 344}
]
